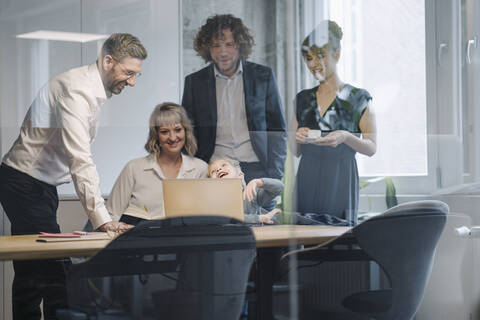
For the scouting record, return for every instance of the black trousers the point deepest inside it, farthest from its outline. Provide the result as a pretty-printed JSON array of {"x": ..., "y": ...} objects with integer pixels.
[{"x": 31, "y": 206}]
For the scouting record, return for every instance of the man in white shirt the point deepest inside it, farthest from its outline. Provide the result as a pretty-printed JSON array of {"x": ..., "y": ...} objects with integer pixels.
[{"x": 53, "y": 148}]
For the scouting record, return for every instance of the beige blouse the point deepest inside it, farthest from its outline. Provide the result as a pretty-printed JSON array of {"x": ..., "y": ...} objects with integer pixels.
[{"x": 138, "y": 190}]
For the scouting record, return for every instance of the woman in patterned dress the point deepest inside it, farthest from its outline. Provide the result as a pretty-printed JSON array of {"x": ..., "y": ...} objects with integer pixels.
[{"x": 327, "y": 178}]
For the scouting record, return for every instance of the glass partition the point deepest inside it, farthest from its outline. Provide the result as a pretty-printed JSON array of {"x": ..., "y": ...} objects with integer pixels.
[{"x": 329, "y": 113}]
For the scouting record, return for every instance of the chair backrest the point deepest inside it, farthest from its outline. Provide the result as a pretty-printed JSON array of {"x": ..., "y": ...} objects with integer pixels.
[
  {"x": 402, "y": 241},
  {"x": 179, "y": 268}
]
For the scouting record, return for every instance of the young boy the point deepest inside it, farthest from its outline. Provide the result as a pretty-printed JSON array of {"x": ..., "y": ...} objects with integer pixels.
[{"x": 255, "y": 194}]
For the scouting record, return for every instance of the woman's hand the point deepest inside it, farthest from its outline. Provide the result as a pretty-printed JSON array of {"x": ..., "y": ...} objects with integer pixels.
[
  {"x": 251, "y": 189},
  {"x": 267, "y": 217},
  {"x": 333, "y": 139},
  {"x": 301, "y": 134}
]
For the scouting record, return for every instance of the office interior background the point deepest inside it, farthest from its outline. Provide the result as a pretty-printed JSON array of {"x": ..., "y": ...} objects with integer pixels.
[{"x": 419, "y": 59}]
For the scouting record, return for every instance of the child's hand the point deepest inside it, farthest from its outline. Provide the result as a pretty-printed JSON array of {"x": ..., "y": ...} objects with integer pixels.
[
  {"x": 267, "y": 217},
  {"x": 251, "y": 189}
]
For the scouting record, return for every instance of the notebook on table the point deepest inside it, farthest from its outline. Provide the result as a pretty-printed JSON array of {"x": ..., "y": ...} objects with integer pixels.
[
  {"x": 203, "y": 197},
  {"x": 64, "y": 237}
]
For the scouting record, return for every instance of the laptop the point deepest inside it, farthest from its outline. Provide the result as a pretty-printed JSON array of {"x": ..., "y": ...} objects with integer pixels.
[{"x": 203, "y": 197}]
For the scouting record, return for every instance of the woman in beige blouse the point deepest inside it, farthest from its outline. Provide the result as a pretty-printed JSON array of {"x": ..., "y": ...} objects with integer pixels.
[{"x": 137, "y": 193}]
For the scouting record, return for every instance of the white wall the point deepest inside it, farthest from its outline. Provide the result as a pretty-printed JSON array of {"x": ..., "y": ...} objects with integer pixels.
[{"x": 27, "y": 64}]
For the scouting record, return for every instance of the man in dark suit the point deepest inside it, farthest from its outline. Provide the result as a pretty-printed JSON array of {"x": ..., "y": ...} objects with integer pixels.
[{"x": 234, "y": 104}]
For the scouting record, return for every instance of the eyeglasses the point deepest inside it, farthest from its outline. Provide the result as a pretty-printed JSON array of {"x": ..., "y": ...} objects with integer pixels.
[{"x": 128, "y": 74}]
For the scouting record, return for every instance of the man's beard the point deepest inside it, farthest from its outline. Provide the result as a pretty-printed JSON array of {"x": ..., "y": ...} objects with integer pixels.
[{"x": 117, "y": 87}]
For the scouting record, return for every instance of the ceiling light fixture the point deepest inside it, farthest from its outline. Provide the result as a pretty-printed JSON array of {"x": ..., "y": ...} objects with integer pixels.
[{"x": 62, "y": 36}]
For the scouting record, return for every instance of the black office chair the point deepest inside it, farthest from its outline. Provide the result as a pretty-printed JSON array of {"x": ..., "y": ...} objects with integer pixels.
[
  {"x": 402, "y": 241},
  {"x": 181, "y": 268}
]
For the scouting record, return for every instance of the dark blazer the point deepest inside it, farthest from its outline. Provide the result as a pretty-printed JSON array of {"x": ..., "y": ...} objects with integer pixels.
[{"x": 265, "y": 116}]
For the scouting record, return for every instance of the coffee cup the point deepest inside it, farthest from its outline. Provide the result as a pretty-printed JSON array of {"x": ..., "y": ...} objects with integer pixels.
[{"x": 314, "y": 135}]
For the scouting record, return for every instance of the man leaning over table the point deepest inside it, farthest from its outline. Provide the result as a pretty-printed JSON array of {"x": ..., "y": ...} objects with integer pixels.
[{"x": 54, "y": 147}]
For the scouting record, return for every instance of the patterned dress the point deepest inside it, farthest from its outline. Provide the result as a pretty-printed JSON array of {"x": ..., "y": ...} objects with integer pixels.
[{"x": 327, "y": 178}]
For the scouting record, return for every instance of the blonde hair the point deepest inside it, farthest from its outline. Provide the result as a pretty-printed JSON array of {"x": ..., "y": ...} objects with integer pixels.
[
  {"x": 168, "y": 113},
  {"x": 232, "y": 162},
  {"x": 121, "y": 45}
]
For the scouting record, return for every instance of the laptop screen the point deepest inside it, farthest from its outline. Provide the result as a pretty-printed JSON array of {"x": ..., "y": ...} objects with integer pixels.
[{"x": 203, "y": 197}]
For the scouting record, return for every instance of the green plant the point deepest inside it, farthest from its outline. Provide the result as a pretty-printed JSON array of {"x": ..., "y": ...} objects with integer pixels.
[{"x": 390, "y": 191}]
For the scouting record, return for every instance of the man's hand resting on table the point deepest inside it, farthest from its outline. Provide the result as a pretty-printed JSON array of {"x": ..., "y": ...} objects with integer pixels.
[{"x": 115, "y": 227}]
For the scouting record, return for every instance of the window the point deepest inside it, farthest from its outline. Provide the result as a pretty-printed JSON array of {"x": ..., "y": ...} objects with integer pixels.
[{"x": 388, "y": 60}]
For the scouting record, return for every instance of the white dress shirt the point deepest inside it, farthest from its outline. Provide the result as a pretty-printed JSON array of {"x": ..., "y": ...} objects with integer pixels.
[
  {"x": 56, "y": 134},
  {"x": 233, "y": 137},
  {"x": 139, "y": 186}
]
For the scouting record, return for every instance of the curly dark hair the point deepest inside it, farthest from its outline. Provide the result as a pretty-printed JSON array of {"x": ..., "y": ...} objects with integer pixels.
[{"x": 213, "y": 28}]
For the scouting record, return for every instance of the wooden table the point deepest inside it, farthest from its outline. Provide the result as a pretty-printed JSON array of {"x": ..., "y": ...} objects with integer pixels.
[
  {"x": 269, "y": 241},
  {"x": 27, "y": 248}
]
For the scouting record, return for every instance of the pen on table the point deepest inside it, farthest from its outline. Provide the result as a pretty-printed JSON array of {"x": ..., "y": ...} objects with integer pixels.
[{"x": 80, "y": 233}]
